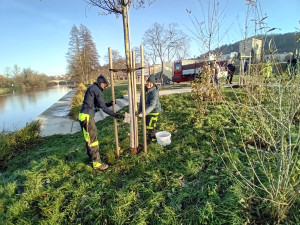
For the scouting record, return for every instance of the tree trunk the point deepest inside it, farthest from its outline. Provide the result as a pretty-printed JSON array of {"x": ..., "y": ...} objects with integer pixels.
[{"x": 133, "y": 125}]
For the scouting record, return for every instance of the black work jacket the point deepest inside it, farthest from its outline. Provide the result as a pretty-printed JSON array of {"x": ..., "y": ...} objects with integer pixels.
[
  {"x": 93, "y": 100},
  {"x": 152, "y": 103}
]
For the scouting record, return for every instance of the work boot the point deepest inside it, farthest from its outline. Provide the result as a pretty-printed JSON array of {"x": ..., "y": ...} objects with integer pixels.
[{"x": 99, "y": 166}]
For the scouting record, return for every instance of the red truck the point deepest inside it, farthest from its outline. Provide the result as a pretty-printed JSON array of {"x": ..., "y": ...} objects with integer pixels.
[{"x": 186, "y": 70}]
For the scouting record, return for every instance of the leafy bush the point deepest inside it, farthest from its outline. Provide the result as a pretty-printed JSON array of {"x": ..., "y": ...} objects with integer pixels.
[{"x": 14, "y": 143}]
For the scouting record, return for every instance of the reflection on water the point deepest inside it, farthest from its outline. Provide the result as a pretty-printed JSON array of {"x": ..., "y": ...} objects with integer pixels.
[{"x": 23, "y": 106}]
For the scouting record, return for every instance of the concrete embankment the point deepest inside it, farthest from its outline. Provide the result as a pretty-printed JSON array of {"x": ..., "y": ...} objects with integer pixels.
[{"x": 55, "y": 120}]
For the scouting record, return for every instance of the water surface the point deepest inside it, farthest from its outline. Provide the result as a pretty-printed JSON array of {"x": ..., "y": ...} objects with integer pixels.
[{"x": 23, "y": 106}]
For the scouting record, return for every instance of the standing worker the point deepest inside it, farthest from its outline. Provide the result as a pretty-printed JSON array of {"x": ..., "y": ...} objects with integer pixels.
[
  {"x": 230, "y": 71},
  {"x": 93, "y": 101},
  {"x": 152, "y": 107},
  {"x": 217, "y": 70}
]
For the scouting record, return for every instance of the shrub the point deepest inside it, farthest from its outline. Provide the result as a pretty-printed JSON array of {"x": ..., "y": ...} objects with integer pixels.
[
  {"x": 13, "y": 143},
  {"x": 205, "y": 91},
  {"x": 77, "y": 101},
  {"x": 267, "y": 165}
]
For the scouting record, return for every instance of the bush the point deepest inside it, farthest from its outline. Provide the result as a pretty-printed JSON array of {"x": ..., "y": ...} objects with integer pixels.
[
  {"x": 13, "y": 143},
  {"x": 77, "y": 101},
  {"x": 269, "y": 143}
]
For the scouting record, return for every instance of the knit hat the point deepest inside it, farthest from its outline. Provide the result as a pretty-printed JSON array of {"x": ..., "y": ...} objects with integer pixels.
[
  {"x": 102, "y": 79},
  {"x": 151, "y": 79}
]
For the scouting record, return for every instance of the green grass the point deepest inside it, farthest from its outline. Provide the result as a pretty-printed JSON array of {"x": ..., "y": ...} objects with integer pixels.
[
  {"x": 182, "y": 183},
  {"x": 19, "y": 141}
]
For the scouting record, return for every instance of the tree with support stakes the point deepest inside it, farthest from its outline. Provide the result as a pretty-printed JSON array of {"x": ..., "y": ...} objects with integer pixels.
[{"x": 121, "y": 7}]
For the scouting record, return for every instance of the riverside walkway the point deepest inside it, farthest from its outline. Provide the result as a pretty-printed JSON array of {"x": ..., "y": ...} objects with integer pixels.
[{"x": 55, "y": 120}]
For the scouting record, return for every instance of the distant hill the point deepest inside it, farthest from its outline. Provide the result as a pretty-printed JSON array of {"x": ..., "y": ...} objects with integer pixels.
[{"x": 284, "y": 43}]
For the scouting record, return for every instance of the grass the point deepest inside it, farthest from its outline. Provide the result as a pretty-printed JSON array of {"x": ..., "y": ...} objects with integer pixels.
[
  {"x": 182, "y": 183},
  {"x": 4, "y": 90},
  {"x": 16, "y": 142}
]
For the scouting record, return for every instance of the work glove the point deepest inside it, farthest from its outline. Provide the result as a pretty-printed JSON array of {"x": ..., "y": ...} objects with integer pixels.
[
  {"x": 110, "y": 103},
  {"x": 138, "y": 114},
  {"x": 119, "y": 116}
]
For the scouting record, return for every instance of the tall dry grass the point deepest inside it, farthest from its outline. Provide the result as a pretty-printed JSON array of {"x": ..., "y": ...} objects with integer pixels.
[{"x": 269, "y": 133}]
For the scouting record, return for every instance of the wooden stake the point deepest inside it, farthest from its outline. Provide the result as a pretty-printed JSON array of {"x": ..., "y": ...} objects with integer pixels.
[
  {"x": 143, "y": 99},
  {"x": 125, "y": 15},
  {"x": 113, "y": 99},
  {"x": 134, "y": 98}
]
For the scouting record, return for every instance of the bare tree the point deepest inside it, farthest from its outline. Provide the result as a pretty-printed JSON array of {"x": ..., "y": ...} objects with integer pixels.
[
  {"x": 7, "y": 72},
  {"x": 16, "y": 70},
  {"x": 118, "y": 62},
  {"x": 116, "y": 57},
  {"x": 115, "y": 6},
  {"x": 120, "y": 7},
  {"x": 137, "y": 52},
  {"x": 207, "y": 29},
  {"x": 165, "y": 43}
]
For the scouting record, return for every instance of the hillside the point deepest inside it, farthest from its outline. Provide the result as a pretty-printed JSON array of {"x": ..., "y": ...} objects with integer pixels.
[{"x": 284, "y": 43}]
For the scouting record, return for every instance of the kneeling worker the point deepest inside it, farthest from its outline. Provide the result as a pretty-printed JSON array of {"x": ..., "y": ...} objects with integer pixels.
[
  {"x": 152, "y": 107},
  {"x": 93, "y": 101}
]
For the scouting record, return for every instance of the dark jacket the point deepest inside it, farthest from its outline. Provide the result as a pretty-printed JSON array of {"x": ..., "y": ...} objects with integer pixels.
[
  {"x": 152, "y": 104},
  {"x": 231, "y": 68},
  {"x": 93, "y": 100}
]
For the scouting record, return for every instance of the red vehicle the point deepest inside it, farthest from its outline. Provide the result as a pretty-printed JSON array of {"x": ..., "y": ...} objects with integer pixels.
[{"x": 187, "y": 70}]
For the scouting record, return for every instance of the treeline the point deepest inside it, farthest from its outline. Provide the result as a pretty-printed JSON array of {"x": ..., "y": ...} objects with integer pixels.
[
  {"x": 25, "y": 78},
  {"x": 284, "y": 43}
]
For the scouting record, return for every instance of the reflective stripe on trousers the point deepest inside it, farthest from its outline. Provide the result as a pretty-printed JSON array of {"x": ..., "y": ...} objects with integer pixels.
[
  {"x": 151, "y": 120},
  {"x": 89, "y": 129}
]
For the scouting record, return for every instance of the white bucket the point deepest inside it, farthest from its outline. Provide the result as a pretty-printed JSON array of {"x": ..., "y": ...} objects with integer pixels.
[{"x": 163, "y": 138}]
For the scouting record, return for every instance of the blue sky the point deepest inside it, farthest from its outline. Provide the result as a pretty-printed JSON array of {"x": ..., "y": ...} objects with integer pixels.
[{"x": 35, "y": 33}]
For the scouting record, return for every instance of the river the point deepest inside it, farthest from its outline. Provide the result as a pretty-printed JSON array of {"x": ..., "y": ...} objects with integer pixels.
[{"x": 23, "y": 106}]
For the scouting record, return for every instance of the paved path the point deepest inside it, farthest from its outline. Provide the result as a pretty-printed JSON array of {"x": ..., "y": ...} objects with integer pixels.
[{"x": 55, "y": 120}]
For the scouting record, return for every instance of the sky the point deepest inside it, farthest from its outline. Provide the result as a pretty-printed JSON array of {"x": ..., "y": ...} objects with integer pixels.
[{"x": 35, "y": 34}]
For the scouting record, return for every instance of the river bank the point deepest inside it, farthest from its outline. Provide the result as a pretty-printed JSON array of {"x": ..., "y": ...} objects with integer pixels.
[{"x": 4, "y": 90}]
